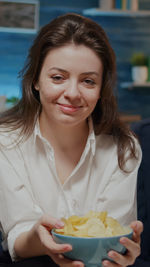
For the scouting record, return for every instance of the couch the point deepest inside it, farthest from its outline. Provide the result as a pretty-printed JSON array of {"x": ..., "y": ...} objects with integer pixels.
[{"x": 142, "y": 130}]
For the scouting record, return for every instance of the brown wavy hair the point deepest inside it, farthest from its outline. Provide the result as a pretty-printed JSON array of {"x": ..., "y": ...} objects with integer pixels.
[{"x": 71, "y": 28}]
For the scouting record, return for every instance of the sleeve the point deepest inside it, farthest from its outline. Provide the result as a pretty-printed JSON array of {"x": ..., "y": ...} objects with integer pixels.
[
  {"x": 119, "y": 196},
  {"x": 18, "y": 209}
]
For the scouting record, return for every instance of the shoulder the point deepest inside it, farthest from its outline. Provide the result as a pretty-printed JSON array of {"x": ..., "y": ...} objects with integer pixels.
[
  {"x": 106, "y": 145},
  {"x": 11, "y": 158},
  {"x": 13, "y": 144},
  {"x": 8, "y": 138},
  {"x": 105, "y": 141}
]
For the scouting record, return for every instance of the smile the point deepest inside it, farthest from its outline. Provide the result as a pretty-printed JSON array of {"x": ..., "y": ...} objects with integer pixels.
[{"x": 68, "y": 108}]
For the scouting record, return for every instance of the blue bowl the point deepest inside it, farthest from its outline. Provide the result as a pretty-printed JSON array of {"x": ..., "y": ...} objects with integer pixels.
[{"x": 91, "y": 250}]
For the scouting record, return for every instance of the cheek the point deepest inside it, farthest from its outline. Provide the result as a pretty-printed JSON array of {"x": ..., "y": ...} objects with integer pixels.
[
  {"x": 45, "y": 95},
  {"x": 92, "y": 97},
  {"x": 49, "y": 92}
]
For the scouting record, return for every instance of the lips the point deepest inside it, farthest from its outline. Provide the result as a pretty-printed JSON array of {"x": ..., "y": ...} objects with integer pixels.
[{"x": 68, "y": 108}]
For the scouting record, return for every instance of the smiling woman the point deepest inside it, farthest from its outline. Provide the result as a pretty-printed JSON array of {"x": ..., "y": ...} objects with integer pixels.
[
  {"x": 67, "y": 88},
  {"x": 64, "y": 143}
]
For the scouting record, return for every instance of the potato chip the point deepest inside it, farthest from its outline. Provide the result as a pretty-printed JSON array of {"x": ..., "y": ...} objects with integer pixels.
[{"x": 93, "y": 224}]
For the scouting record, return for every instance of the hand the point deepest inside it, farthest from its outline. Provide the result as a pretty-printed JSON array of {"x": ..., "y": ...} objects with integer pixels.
[
  {"x": 50, "y": 248},
  {"x": 133, "y": 248}
]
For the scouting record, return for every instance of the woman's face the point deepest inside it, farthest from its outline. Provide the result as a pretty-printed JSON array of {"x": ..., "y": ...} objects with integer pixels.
[{"x": 69, "y": 84}]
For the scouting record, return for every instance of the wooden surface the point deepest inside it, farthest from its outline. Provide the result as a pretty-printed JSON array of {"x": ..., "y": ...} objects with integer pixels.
[{"x": 129, "y": 118}]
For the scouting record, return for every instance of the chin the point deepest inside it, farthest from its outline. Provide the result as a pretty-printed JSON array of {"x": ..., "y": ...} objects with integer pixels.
[{"x": 71, "y": 122}]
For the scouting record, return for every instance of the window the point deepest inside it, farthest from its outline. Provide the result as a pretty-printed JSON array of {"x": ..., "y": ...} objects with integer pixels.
[{"x": 19, "y": 16}]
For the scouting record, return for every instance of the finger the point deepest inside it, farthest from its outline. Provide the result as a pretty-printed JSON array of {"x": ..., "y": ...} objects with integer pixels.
[
  {"x": 64, "y": 262},
  {"x": 119, "y": 259},
  {"x": 132, "y": 247},
  {"x": 107, "y": 263},
  {"x": 137, "y": 227},
  {"x": 49, "y": 243},
  {"x": 133, "y": 250},
  {"x": 51, "y": 222}
]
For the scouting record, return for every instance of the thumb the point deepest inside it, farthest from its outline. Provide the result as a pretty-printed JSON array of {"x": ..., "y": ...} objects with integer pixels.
[
  {"x": 137, "y": 226},
  {"x": 50, "y": 222}
]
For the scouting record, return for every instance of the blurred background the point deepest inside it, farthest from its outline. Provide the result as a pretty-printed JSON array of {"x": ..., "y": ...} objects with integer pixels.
[{"x": 126, "y": 22}]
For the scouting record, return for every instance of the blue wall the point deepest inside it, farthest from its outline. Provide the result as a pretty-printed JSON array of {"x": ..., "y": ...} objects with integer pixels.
[
  {"x": 126, "y": 35},
  {"x": 70, "y": 3}
]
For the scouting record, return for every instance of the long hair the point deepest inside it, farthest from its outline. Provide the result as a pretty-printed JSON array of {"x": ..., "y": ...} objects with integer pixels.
[{"x": 71, "y": 28}]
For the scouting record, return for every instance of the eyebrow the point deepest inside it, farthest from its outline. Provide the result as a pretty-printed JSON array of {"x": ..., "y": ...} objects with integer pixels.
[
  {"x": 59, "y": 69},
  {"x": 84, "y": 73},
  {"x": 91, "y": 72}
]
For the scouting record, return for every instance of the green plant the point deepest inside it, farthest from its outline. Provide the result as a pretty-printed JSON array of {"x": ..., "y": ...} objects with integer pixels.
[
  {"x": 13, "y": 100},
  {"x": 139, "y": 59}
]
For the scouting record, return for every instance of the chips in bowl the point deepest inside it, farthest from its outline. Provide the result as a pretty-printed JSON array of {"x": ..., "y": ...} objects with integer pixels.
[
  {"x": 92, "y": 236},
  {"x": 93, "y": 224}
]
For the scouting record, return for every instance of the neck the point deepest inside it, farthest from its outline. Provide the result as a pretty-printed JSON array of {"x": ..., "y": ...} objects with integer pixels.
[{"x": 64, "y": 136}]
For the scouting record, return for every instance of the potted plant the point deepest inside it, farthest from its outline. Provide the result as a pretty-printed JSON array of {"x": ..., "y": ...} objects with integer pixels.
[
  {"x": 139, "y": 71},
  {"x": 11, "y": 101}
]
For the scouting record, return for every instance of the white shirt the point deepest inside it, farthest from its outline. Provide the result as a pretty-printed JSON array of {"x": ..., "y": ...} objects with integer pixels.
[{"x": 29, "y": 185}]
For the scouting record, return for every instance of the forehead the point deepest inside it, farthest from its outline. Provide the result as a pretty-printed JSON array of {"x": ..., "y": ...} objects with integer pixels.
[{"x": 72, "y": 55}]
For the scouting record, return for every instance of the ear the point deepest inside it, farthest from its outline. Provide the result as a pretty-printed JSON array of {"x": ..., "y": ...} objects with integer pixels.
[{"x": 36, "y": 87}]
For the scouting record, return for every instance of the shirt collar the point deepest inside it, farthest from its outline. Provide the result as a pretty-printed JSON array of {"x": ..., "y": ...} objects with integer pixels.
[
  {"x": 37, "y": 131},
  {"x": 37, "y": 134},
  {"x": 91, "y": 138}
]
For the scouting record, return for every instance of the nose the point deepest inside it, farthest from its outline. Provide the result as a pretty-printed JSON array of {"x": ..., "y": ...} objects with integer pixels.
[{"x": 72, "y": 90}]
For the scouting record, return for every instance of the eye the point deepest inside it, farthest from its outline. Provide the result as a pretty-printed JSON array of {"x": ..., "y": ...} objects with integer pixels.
[
  {"x": 89, "y": 82},
  {"x": 57, "y": 78}
]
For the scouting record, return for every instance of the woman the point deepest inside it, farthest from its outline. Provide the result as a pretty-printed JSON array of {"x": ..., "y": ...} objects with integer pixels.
[{"x": 64, "y": 149}]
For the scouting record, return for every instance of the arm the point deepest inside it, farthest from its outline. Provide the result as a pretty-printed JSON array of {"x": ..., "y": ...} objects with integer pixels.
[
  {"x": 119, "y": 194},
  {"x": 23, "y": 222},
  {"x": 38, "y": 241},
  {"x": 125, "y": 190},
  {"x": 19, "y": 211}
]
